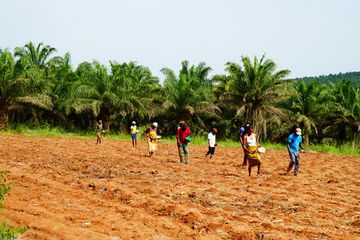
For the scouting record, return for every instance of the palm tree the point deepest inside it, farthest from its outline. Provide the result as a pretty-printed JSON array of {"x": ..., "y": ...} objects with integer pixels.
[
  {"x": 62, "y": 78},
  {"x": 254, "y": 88},
  {"x": 33, "y": 57},
  {"x": 139, "y": 92},
  {"x": 17, "y": 89},
  {"x": 137, "y": 87},
  {"x": 308, "y": 106},
  {"x": 344, "y": 111},
  {"x": 93, "y": 91},
  {"x": 189, "y": 95},
  {"x": 127, "y": 92}
]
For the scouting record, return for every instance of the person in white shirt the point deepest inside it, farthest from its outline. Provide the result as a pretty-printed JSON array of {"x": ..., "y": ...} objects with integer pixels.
[{"x": 211, "y": 142}]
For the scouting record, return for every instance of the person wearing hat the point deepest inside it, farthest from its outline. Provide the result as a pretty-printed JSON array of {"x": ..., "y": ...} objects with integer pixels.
[
  {"x": 294, "y": 142},
  {"x": 151, "y": 137},
  {"x": 211, "y": 142},
  {"x": 183, "y": 138},
  {"x": 99, "y": 131},
  {"x": 133, "y": 132}
]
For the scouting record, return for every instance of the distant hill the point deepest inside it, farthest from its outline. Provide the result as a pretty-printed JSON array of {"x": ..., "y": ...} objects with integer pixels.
[{"x": 352, "y": 76}]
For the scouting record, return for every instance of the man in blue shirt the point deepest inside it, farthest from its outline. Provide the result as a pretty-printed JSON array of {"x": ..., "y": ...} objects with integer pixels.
[{"x": 294, "y": 142}]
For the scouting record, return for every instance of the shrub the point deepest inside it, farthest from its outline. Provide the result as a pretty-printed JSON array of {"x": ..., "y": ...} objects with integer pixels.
[{"x": 4, "y": 187}]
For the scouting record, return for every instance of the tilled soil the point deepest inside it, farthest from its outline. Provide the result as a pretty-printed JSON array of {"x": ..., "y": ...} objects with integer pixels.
[{"x": 74, "y": 189}]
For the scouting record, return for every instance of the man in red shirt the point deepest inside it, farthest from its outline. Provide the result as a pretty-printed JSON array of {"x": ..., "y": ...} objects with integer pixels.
[{"x": 183, "y": 138}]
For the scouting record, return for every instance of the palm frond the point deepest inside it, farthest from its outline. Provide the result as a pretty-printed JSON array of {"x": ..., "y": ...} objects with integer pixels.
[{"x": 40, "y": 100}]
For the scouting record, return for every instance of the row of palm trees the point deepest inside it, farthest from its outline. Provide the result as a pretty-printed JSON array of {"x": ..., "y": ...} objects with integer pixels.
[{"x": 37, "y": 88}]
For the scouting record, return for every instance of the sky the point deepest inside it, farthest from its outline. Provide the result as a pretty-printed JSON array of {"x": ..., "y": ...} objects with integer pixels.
[{"x": 308, "y": 37}]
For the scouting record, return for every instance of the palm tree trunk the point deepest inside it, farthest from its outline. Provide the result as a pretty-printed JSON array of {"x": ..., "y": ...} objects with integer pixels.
[
  {"x": 307, "y": 139},
  {"x": 354, "y": 142},
  {"x": 186, "y": 116},
  {"x": 4, "y": 119},
  {"x": 107, "y": 118}
]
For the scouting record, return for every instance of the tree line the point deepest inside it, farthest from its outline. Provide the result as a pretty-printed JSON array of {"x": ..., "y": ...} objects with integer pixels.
[
  {"x": 39, "y": 88},
  {"x": 354, "y": 77}
]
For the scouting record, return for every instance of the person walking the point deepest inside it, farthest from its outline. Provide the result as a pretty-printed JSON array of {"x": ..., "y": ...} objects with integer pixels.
[
  {"x": 294, "y": 142},
  {"x": 251, "y": 149},
  {"x": 133, "y": 132},
  {"x": 242, "y": 133},
  {"x": 151, "y": 137},
  {"x": 211, "y": 142},
  {"x": 183, "y": 138},
  {"x": 99, "y": 130}
]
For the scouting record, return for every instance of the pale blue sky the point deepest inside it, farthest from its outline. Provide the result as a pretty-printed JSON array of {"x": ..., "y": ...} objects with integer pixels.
[{"x": 309, "y": 37}]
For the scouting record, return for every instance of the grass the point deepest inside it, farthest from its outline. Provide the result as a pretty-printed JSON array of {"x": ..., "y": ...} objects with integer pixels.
[
  {"x": 345, "y": 149},
  {"x": 8, "y": 231},
  {"x": 46, "y": 131}
]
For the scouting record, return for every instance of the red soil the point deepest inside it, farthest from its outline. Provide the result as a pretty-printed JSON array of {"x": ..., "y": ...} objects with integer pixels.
[{"x": 74, "y": 189}]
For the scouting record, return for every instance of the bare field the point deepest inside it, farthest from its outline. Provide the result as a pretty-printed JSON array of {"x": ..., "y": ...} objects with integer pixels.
[{"x": 74, "y": 189}]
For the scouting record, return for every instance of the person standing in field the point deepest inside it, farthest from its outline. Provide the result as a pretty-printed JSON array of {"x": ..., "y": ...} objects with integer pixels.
[
  {"x": 242, "y": 133},
  {"x": 99, "y": 129},
  {"x": 294, "y": 142},
  {"x": 183, "y": 138},
  {"x": 133, "y": 132},
  {"x": 251, "y": 149},
  {"x": 151, "y": 137},
  {"x": 211, "y": 142}
]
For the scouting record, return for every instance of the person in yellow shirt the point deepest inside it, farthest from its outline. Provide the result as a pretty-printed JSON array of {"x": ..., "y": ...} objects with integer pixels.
[
  {"x": 133, "y": 132},
  {"x": 151, "y": 137}
]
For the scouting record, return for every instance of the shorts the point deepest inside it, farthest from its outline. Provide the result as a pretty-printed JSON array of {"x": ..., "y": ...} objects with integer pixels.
[{"x": 134, "y": 136}]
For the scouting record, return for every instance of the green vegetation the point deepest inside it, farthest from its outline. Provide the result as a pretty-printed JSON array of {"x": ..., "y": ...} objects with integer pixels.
[
  {"x": 254, "y": 92},
  {"x": 188, "y": 96},
  {"x": 7, "y": 231},
  {"x": 4, "y": 187},
  {"x": 41, "y": 91},
  {"x": 353, "y": 77}
]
